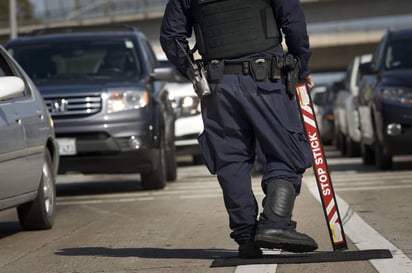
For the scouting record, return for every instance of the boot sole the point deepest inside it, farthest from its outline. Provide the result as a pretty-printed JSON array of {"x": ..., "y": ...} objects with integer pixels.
[{"x": 279, "y": 243}]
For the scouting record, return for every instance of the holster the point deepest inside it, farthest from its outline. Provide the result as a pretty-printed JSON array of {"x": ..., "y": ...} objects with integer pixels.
[
  {"x": 215, "y": 69},
  {"x": 276, "y": 68},
  {"x": 292, "y": 66},
  {"x": 259, "y": 69}
]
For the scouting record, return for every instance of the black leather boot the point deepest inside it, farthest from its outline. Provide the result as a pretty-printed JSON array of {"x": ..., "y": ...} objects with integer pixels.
[{"x": 278, "y": 206}]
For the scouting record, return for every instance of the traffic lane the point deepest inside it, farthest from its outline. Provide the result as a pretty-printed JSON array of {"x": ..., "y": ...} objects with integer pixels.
[
  {"x": 310, "y": 219},
  {"x": 381, "y": 198},
  {"x": 179, "y": 229},
  {"x": 388, "y": 212},
  {"x": 316, "y": 227},
  {"x": 138, "y": 231}
]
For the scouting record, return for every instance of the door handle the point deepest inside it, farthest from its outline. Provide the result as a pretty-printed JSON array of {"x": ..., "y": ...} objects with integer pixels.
[
  {"x": 17, "y": 119},
  {"x": 40, "y": 114}
]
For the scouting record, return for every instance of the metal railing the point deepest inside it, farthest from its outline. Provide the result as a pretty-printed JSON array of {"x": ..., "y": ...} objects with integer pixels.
[{"x": 78, "y": 12}]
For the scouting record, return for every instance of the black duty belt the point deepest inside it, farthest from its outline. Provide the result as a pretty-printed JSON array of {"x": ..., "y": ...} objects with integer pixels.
[
  {"x": 237, "y": 68},
  {"x": 259, "y": 68}
]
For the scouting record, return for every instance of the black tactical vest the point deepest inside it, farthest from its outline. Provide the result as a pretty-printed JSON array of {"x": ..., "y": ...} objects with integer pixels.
[{"x": 233, "y": 28}]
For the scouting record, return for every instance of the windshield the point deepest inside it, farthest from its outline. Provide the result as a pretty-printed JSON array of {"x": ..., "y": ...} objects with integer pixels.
[
  {"x": 79, "y": 59},
  {"x": 399, "y": 55}
]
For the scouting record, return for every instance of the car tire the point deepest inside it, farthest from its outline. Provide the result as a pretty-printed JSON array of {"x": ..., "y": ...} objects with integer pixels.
[
  {"x": 337, "y": 139},
  {"x": 156, "y": 178},
  {"x": 367, "y": 154},
  {"x": 171, "y": 164},
  {"x": 197, "y": 159},
  {"x": 383, "y": 160},
  {"x": 39, "y": 214},
  {"x": 342, "y": 141},
  {"x": 352, "y": 148}
]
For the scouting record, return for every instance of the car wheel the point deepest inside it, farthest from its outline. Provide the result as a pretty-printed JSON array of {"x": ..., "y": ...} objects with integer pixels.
[
  {"x": 352, "y": 148},
  {"x": 367, "y": 154},
  {"x": 382, "y": 159},
  {"x": 337, "y": 140},
  {"x": 198, "y": 159},
  {"x": 171, "y": 164},
  {"x": 40, "y": 213},
  {"x": 342, "y": 141},
  {"x": 156, "y": 179}
]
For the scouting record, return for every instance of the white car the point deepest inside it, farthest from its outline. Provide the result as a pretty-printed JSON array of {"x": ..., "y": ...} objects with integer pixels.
[
  {"x": 188, "y": 123},
  {"x": 347, "y": 124}
]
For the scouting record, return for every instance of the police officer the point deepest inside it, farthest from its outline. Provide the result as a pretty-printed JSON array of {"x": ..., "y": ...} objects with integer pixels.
[{"x": 240, "y": 45}]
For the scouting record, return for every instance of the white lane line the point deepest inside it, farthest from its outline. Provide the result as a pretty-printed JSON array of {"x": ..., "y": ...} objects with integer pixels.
[
  {"x": 256, "y": 268},
  {"x": 259, "y": 268},
  {"x": 167, "y": 193},
  {"x": 375, "y": 188},
  {"x": 365, "y": 237},
  {"x": 347, "y": 177},
  {"x": 139, "y": 194}
]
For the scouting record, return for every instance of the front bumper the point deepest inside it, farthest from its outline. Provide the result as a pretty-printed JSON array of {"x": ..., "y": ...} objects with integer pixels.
[
  {"x": 394, "y": 114},
  {"x": 128, "y": 162},
  {"x": 119, "y": 146},
  {"x": 187, "y": 129}
]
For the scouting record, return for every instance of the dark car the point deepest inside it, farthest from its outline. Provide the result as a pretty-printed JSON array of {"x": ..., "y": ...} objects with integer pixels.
[
  {"x": 28, "y": 151},
  {"x": 385, "y": 101},
  {"x": 111, "y": 112}
]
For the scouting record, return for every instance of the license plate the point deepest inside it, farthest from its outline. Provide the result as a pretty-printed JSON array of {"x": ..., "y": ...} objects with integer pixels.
[{"x": 67, "y": 146}]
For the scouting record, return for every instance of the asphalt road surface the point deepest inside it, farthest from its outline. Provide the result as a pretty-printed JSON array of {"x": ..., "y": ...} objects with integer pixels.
[{"x": 108, "y": 224}]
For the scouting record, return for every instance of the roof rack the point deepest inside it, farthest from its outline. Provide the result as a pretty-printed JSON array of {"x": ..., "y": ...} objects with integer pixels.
[{"x": 71, "y": 29}]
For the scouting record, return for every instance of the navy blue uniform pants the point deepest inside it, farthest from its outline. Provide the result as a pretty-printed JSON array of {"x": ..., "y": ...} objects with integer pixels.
[{"x": 239, "y": 112}]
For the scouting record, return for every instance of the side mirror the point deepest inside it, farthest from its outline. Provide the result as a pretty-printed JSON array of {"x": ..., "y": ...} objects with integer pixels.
[
  {"x": 366, "y": 68},
  {"x": 163, "y": 74},
  {"x": 10, "y": 87},
  {"x": 318, "y": 100},
  {"x": 318, "y": 95}
]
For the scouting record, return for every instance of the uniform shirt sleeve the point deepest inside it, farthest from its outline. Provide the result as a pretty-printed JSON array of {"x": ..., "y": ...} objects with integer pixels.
[
  {"x": 176, "y": 24},
  {"x": 291, "y": 20}
]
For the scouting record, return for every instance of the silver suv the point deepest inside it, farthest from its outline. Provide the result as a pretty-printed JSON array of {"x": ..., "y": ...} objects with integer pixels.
[{"x": 111, "y": 113}]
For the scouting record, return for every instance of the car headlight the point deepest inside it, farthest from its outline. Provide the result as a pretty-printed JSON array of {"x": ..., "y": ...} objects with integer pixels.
[
  {"x": 186, "y": 106},
  {"x": 128, "y": 100},
  {"x": 401, "y": 95}
]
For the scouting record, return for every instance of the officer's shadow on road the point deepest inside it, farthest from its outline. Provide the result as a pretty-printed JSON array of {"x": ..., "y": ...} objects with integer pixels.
[{"x": 148, "y": 253}]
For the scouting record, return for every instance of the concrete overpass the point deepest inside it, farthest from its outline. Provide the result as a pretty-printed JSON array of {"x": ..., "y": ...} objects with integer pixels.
[{"x": 338, "y": 29}]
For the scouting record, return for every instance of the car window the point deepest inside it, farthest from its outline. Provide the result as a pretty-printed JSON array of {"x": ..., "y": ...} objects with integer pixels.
[
  {"x": 10, "y": 69},
  {"x": 378, "y": 55},
  {"x": 399, "y": 54},
  {"x": 149, "y": 54},
  {"x": 4, "y": 67},
  {"x": 79, "y": 59}
]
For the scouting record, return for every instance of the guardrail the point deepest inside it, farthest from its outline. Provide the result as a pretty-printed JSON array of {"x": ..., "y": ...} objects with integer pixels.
[{"x": 100, "y": 11}]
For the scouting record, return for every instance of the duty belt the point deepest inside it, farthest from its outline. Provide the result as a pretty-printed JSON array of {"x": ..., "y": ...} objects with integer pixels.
[
  {"x": 237, "y": 68},
  {"x": 259, "y": 68}
]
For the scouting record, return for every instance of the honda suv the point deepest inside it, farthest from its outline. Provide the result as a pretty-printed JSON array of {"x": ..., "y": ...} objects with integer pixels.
[{"x": 111, "y": 112}]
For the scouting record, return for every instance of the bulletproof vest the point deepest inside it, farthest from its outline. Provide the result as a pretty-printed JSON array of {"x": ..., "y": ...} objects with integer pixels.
[{"x": 233, "y": 28}]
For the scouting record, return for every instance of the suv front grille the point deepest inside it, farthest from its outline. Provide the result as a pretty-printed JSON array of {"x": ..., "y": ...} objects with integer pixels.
[{"x": 73, "y": 106}]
